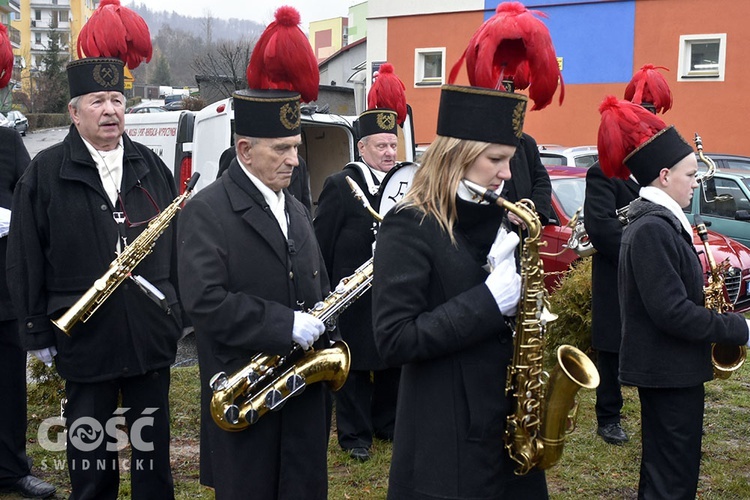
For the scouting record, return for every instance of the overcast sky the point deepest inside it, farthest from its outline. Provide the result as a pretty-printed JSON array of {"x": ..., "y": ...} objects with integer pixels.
[{"x": 257, "y": 10}]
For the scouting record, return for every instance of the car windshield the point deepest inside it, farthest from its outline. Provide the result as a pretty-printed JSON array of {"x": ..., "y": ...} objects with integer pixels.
[{"x": 570, "y": 192}]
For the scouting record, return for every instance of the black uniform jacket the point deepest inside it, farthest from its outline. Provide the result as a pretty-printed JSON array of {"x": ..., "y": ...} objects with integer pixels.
[
  {"x": 603, "y": 197},
  {"x": 63, "y": 237},
  {"x": 241, "y": 283},
  {"x": 14, "y": 159},
  {"x": 666, "y": 331},
  {"x": 434, "y": 315},
  {"x": 345, "y": 231},
  {"x": 529, "y": 178}
]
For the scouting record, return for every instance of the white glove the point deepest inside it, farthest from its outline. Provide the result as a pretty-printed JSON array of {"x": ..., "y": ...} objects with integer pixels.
[
  {"x": 306, "y": 329},
  {"x": 503, "y": 248},
  {"x": 505, "y": 284},
  {"x": 45, "y": 355}
]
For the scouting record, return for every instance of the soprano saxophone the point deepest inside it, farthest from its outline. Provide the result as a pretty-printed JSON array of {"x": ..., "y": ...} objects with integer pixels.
[
  {"x": 544, "y": 404},
  {"x": 269, "y": 381},
  {"x": 121, "y": 268}
]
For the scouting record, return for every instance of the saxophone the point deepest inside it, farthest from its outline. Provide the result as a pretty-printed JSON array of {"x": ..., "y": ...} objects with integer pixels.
[
  {"x": 725, "y": 358},
  {"x": 269, "y": 380},
  {"x": 121, "y": 268},
  {"x": 545, "y": 406}
]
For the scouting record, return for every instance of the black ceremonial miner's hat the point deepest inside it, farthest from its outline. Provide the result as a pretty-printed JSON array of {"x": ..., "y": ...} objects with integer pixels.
[
  {"x": 266, "y": 113},
  {"x": 95, "y": 74},
  {"x": 480, "y": 114},
  {"x": 377, "y": 121}
]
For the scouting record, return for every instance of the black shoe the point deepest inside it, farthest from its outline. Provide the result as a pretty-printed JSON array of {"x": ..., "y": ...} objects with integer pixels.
[
  {"x": 613, "y": 434},
  {"x": 360, "y": 454},
  {"x": 33, "y": 487}
]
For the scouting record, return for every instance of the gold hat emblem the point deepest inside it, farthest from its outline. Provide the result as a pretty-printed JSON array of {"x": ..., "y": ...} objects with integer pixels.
[
  {"x": 289, "y": 115},
  {"x": 386, "y": 121},
  {"x": 518, "y": 116},
  {"x": 106, "y": 75}
]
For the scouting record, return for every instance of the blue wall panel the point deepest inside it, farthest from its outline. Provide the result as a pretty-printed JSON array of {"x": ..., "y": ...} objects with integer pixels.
[{"x": 594, "y": 39}]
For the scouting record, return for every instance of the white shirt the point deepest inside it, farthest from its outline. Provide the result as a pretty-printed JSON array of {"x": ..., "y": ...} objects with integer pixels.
[
  {"x": 109, "y": 165},
  {"x": 276, "y": 201}
]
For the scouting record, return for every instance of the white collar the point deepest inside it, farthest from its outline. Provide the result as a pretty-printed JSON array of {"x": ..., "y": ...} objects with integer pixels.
[
  {"x": 276, "y": 201},
  {"x": 660, "y": 197}
]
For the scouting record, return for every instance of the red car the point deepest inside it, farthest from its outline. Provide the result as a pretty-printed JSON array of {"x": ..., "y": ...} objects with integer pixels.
[{"x": 568, "y": 194}]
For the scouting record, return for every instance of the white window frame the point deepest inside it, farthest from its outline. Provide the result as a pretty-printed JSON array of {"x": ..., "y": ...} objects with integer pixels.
[
  {"x": 686, "y": 74},
  {"x": 419, "y": 61}
]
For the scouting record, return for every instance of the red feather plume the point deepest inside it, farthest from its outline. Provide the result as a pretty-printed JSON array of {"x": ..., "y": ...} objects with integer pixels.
[
  {"x": 6, "y": 57},
  {"x": 388, "y": 91},
  {"x": 648, "y": 85},
  {"x": 283, "y": 58},
  {"x": 115, "y": 31},
  {"x": 624, "y": 127},
  {"x": 502, "y": 44}
]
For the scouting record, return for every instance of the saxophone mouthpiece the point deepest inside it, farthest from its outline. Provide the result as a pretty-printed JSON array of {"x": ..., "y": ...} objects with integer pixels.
[{"x": 483, "y": 193}]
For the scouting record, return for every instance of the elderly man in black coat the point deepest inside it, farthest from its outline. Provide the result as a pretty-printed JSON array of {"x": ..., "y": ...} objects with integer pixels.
[
  {"x": 15, "y": 473},
  {"x": 249, "y": 267},
  {"x": 366, "y": 405},
  {"x": 78, "y": 204}
]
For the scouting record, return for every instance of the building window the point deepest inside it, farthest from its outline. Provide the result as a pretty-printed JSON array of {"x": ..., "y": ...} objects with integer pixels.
[
  {"x": 429, "y": 67},
  {"x": 38, "y": 15},
  {"x": 702, "y": 57},
  {"x": 38, "y": 38}
]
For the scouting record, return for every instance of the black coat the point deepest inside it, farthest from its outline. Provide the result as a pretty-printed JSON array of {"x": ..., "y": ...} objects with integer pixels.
[
  {"x": 240, "y": 285},
  {"x": 345, "y": 232},
  {"x": 529, "y": 178},
  {"x": 603, "y": 197},
  {"x": 63, "y": 238},
  {"x": 666, "y": 331},
  {"x": 13, "y": 161},
  {"x": 434, "y": 315}
]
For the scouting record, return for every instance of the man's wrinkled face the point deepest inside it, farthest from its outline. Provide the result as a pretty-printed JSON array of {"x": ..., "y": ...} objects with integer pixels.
[
  {"x": 271, "y": 160},
  {"x": 379, "y": 151},
  {"x": 100, "y": 118}
]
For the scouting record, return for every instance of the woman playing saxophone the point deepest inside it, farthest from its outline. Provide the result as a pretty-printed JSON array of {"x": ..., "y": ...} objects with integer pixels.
[{"x": 440, "y": 313}]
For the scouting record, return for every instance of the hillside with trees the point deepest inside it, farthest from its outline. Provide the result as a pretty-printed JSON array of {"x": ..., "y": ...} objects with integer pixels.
[{"x": 185, "y": 46}]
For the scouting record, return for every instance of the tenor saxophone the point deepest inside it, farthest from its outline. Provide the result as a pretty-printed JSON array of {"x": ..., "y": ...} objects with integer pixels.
[
  {"x": 269, "y": 381},
  {"x": 120, "y": 268},
  {"x": 544, "y": 404},
  {"x": 725, "y": 358}
]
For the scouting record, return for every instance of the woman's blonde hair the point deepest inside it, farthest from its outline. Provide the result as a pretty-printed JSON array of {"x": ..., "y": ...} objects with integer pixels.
[{"x": 433, "y": 189}]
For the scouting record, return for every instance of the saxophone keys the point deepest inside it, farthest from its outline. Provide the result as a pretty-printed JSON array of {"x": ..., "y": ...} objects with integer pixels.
[
  {"x": 232, "y": 414},
  {"x": 219, "y": 382}
]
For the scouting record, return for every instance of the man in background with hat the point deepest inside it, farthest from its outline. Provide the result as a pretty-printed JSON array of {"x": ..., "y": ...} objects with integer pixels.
[
  {"x": 78, "y": 205},
  {"x": 15, "y": 465},
  {"x": 366, "y": 404},
  {"x": 604, "y": 196},
  {"x": 250, "y": 267},
  {"x": 666, "y": 329}
]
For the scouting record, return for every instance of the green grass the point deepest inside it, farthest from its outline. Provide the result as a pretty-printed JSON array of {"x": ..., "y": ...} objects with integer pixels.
[{"x": 588, "y": 469}]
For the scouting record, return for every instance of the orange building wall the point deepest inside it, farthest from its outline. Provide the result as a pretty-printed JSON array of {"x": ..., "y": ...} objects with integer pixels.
[
  {"x": 411, "y": 32},
  {"x": 718, "y": 111}
]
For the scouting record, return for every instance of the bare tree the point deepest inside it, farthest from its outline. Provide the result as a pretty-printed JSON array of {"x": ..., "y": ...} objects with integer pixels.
[
  {"x": 208, "y": 22},
  {"x": 225, "y": 65}
]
